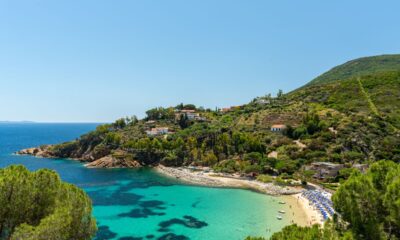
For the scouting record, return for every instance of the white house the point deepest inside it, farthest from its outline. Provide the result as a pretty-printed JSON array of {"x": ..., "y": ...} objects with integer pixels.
[
  {"x": 278, "y": 127},
  {"x": 157, "y": 131},
  {"x": 190, "y": 114},
  {"x": 263, "y": 101}
]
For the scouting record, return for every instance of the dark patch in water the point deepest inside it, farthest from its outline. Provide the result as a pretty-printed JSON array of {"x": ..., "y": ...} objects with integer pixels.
[
  {"x": 104, "y": 233},
  {"x": 148, "y": 209},
  {"x": 130, "y": 238},
  {"x": 163, "y": 230},
  {"x": 140, "y": 213},
  {"x": 171, "y": 236},
  {"x": 100, "y": 198},
  {"x": 194, "y": 205},
  {"x": 152, "y": 204},
  {"x": 137, "y": 184},
  {"x": 150, "y": 236},
  {"x": 188, "y": 221}
]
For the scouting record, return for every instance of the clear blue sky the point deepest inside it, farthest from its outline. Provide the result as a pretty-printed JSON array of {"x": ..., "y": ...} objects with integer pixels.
[{"x": 93, "y": 60}]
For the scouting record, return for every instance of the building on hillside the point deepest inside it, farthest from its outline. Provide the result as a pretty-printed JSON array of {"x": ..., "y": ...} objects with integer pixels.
[
  {"x": 157, "y": 131},
  {"x": 278, "y": 127},
  {"x": 190, "y": 114},
  {"x": 325, "y": 170},
  {"x": 187, "y": 111},
  {"x": 263, "y": 101},
  {"x": 228, "y": 109}
]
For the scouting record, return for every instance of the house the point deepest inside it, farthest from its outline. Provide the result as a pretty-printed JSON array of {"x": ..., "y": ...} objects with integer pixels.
[
  {"x": 228, "y": 109},
  {"x": 187, "y": 111},
  {"x": 157, "y": 131},
  {"x": 325, "y": 170},
  {"x": 263, "y": 101},
  {"x": 190, "y": 114},
  {"x": 278, "y": 127}
]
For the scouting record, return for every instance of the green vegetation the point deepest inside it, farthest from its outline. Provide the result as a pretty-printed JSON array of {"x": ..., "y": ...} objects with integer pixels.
[
  {"x": 368, "y": 98},
  {"x": 370, "y": 202},
  {"x": 359, "y": 67},
  {"x": 349, "y": 115},
  {"x": 368, "y": 207},
  {"x": 38, "y": 205},
  {"x": 334, "y": 122},
  {"x": 310, "y": 233}
]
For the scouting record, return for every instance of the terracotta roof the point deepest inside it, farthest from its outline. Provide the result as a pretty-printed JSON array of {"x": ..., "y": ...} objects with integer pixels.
[{"x": 278, "y": 126}]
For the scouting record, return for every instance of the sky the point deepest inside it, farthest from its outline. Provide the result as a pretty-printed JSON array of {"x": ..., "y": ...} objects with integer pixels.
[{"x": 97, "y": 60}]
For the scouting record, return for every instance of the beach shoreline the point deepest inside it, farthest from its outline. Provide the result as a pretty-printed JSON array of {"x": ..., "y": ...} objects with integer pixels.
[{"x": 211, "y": 179}]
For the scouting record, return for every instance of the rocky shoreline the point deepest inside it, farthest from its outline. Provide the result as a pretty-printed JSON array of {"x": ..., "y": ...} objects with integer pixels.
[
  {"x": 196, "y": 176},
  {"x": 108, "y": 161},
  {"x": 211, "y": 179},
  {"x": 42, "y": 151},
  {"x": 185, "y": 174}
]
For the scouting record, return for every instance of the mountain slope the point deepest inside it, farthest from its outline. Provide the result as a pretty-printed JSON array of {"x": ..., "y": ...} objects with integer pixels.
[
  {"x": 359, "y": 67},
  {"x": 354, "y": 120}
]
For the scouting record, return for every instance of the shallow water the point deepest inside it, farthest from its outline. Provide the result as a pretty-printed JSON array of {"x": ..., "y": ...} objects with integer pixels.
[{"x": 142, "y": 204}]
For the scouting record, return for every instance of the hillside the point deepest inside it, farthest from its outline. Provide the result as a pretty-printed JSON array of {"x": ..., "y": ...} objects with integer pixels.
[
  {"x": 354, "y": 120},
  {"x": 359, "y": 67}
]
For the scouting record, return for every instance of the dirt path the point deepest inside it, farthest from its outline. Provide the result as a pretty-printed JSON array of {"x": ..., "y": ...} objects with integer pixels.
[{"x": 371, "y": 104}]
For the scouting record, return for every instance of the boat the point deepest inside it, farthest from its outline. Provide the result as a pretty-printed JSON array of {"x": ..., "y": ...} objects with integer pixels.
[
  {"x": 281, "y": 211},
  {"x": 279, "y": 217},
  {"x": 282, "y": 202}
]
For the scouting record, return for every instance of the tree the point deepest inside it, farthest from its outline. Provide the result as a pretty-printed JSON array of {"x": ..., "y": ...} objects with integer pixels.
[
  {"x": 189, "y": 107},
  {"x": 183, "y": 121},
  {"x": 280, "y": 93},
  {"x": 370, "y": 202},
  {"x": 38, "y": 205},
  {"x": 120, "y": 123}
]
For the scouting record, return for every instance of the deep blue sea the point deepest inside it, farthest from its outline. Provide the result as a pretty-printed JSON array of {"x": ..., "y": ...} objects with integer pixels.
[{"x": 142, "y": 204}]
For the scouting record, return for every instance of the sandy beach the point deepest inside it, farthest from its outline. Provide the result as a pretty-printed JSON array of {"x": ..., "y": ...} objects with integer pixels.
[
  {"x": 208, "y": 178},
  {"x": 313, "y": 216}
]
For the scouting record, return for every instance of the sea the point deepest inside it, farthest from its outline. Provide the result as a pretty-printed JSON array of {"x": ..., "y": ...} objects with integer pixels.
[{"x": 133, "y": 204}]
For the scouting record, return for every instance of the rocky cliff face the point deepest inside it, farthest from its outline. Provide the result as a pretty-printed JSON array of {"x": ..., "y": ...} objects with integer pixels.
[
  {"x": 97, "y": 158},
  {"x": 110, "y": 161}
]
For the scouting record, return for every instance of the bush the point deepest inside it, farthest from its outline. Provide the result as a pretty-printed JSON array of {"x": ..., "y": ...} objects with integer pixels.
[
  {"x": 265, "y": 178},
  {"x": 40, "y": 206}
]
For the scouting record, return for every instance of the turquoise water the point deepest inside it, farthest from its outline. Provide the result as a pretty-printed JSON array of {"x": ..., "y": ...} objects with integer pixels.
[{"x": 141, "y": 204}]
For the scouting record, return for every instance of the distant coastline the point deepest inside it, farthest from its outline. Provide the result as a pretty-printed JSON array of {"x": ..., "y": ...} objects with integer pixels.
[{"x": 5, "y": 121}]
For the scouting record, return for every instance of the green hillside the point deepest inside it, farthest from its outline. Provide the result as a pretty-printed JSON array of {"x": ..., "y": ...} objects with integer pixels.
[
  {"x": 354, "y": 120},
  {"x": 359, "y": 67}
]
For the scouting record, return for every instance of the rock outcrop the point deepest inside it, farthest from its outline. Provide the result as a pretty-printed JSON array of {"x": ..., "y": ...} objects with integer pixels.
[
  {"x": 118, "y": 159},
  {"x": 42, "y": 151},
  {"x": 113, "y": 162}
]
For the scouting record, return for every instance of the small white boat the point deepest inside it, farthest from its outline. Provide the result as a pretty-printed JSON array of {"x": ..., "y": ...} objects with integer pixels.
[
  {"x": 282, "y": 202},
  {"x": 281, "y": 211},
  {"x": 279, "y": 217}
]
